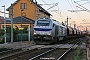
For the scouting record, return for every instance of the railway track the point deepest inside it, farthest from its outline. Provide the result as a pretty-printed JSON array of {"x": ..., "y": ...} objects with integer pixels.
[
  {"x": 8, "y": 54},
  {"x": 38, "y": 52},
  {"x": 11, "y": 50},
  {"x": 48, "y": 54},
  {"x": 69, "y": 41}
]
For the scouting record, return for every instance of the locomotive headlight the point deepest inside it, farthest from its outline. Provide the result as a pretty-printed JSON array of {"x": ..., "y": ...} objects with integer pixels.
[
  {"x": 48, "y": 34},
  {"x": 34, "y": 33}
]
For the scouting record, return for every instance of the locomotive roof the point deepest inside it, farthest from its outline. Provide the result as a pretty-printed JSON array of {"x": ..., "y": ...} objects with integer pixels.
[
  {"x": 58, "y": 23},
  {"x": 44, "y": 17},
  {"x": 54, "y": 21}
]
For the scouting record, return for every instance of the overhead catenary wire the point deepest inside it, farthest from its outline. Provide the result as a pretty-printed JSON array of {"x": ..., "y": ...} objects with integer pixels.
[
  {"x": 53, "y": 8},
  {"x": 81, "y": 0},
  {"x": 58, "y": 9},
  {"x": 85, "y": 3},
  {"x": 76, "y": 10},
  {"x": 54, "y": 4},
  {"x": 74, "y": 7},
  {"x": 60, "y": 12},
  {"x": 83, "y": 7},
  {"x": 78, "y": 15}
]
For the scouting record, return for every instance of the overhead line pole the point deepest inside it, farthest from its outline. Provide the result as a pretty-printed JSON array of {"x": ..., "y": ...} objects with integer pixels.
[
  {"x": 4, "y": 25},
  {"x": 67, "y": 20},
  {"x": 35, "y": 10},
  {"x": 12, "y": 23}
]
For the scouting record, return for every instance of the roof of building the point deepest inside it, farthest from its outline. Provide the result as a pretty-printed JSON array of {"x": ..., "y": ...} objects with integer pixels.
[
  {"x": 42, "y": 9},
  {"x": 19, "y": 20}
]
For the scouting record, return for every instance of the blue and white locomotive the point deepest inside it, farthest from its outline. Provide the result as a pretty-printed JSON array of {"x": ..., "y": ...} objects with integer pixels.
[{"x": 47, "y": 30}]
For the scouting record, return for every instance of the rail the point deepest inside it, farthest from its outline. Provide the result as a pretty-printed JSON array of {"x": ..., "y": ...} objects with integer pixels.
[
  {"x": 53, "y": 50},
  {"x": 67, "y": 51}
]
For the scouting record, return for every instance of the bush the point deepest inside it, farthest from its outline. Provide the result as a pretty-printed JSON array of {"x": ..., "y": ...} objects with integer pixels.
[
  {"x": 24, "y": 37},
  {"x": 16, "y": 34},
  {"x": 7, "y": 38},
  {"x": 1, "y": 32}
]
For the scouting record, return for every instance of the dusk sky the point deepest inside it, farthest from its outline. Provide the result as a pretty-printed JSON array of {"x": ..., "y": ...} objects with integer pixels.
[{"x": 62, "y": 9}]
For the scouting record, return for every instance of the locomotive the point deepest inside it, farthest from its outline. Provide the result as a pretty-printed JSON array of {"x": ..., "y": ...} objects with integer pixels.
[{"x": 47, "y": 30}]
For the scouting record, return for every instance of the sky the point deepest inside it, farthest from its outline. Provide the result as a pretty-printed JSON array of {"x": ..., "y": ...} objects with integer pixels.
[{"x": 63, "y": 9}]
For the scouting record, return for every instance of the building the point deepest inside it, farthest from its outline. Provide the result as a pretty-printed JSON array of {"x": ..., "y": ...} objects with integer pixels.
[
  {"x": 18, "y": 22},
  {"x": 23, "y": 10},
  {"x": 26, "y": 22},
  {"x": 27, "y": 8}
]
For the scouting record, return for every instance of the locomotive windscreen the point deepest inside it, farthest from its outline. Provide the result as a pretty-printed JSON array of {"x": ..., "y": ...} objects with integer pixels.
[{"x": 43, "y": 23}]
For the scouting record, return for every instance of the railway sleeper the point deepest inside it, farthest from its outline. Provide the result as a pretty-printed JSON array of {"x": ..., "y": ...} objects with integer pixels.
[{"x": 9, "y": 51}]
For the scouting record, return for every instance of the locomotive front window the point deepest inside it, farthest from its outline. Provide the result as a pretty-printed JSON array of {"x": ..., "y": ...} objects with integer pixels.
[{"x": 43, "y": 23}]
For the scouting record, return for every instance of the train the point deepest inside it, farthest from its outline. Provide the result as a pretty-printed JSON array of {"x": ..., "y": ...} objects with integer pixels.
[{"x": 48, "y": 30}]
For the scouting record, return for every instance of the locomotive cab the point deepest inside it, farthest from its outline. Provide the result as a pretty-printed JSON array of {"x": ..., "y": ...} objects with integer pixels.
[{"x": 43, "y": 30}]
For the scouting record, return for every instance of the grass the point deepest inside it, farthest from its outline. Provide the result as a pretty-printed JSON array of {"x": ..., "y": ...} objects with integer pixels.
[{"x": 78, "y": 55}]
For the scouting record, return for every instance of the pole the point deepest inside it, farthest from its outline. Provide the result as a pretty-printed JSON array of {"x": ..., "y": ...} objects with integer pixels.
[
  {"x": 65, "y": 23},
  {"x": 4, "y": 25},
  {"x": 74, "y": 26},
  {"x": 12, "y": 24},
  {"x": 30, "y": 31},
  {"x": 35, "y": 11},
  {"x": 21, "y": 27},
  {"x": 21, "y": 31},
  {"x": 34, "y": 16},
  {"x": 67, "y": 20}
]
